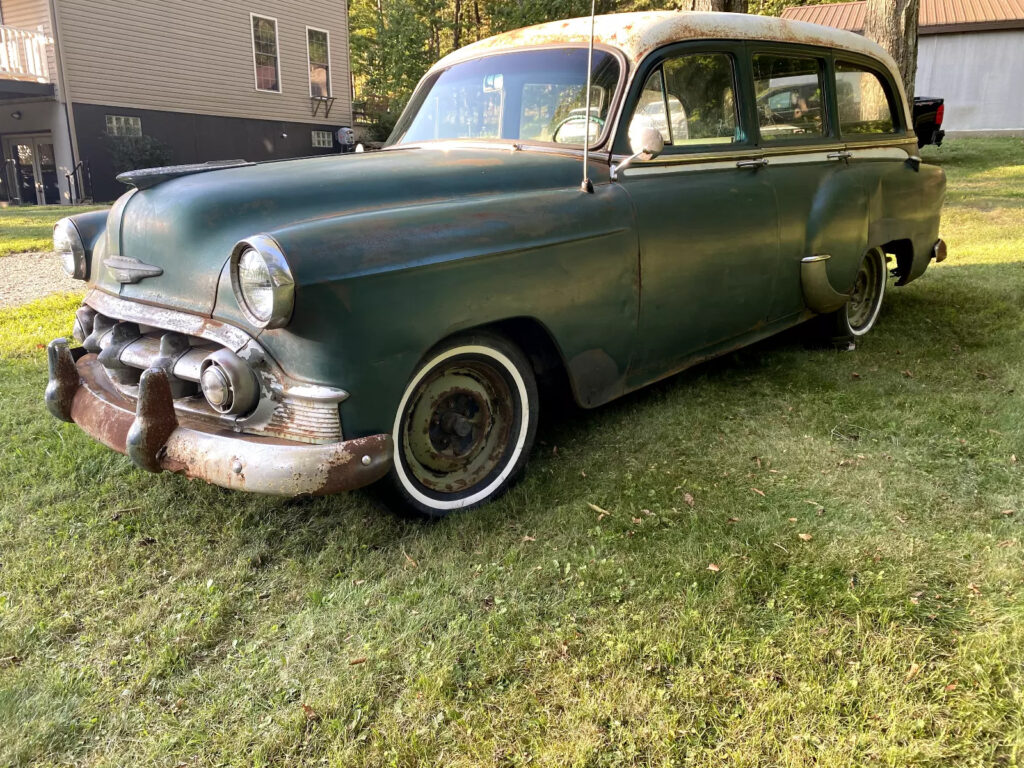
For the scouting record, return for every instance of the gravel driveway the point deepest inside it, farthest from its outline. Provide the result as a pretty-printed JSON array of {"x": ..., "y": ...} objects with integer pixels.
[{"x": 28, "y": 276}]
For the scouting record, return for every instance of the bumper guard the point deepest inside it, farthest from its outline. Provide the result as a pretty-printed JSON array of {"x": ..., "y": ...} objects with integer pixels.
[{"x": 152, "y": 436}]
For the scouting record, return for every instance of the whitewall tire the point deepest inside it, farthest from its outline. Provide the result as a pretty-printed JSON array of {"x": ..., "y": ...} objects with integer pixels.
[{"x": 465, "y": 425}]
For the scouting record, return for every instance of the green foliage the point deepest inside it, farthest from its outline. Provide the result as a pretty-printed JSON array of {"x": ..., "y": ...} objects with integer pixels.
[
  {"x": 129, "y": 153},
  {"x": 149, "y": 620},
  {"x": 394, "y": 42}
]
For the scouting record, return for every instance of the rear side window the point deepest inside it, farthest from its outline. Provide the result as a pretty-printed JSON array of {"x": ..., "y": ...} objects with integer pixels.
[
  {"x": 865, "y": 106},
  {"x": 790, "y": 96},
  {"x": 691, "y": 101}
]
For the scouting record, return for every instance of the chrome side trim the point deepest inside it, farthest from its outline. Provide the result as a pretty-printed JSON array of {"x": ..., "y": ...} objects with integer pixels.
[{"x": 168, "y": 319}]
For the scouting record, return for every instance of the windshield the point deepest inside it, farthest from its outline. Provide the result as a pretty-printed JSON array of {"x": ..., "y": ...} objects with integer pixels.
[{"x": 536, "y": 96}]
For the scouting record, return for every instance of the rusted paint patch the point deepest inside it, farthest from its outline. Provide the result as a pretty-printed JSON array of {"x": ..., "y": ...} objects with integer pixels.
[{"x": 242, "y": 462}]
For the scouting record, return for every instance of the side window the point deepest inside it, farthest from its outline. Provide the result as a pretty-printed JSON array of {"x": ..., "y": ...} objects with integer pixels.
[
  {"x": 650, "y": 109},
  {"x": 691, "y": 100},
  {"x": 864, "y": 103},
  {"x": 790, "y": 96}
]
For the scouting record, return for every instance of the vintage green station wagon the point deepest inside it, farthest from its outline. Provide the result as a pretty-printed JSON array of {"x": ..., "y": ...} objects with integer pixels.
[{"x": 316, "y": 325}]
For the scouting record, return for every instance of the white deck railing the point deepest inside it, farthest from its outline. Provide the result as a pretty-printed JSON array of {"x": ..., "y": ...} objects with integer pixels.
[{"x": 23, "y": 54}]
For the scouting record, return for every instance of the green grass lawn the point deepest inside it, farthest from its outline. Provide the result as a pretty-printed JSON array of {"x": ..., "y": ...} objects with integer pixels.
[
  {"x": 863, "y": 512},
  {"x": 30, "y": 227}
]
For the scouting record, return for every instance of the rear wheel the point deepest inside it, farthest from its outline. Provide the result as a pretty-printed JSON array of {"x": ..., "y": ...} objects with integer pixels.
[
  {"x": 465, "y": 425},
  {"x": 860, "y": 313}
]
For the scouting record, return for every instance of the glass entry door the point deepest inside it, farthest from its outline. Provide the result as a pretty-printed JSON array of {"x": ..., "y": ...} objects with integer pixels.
[{"x": 32, "y": 169}]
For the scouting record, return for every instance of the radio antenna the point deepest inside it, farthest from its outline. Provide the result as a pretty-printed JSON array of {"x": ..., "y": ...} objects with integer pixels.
[{"x": 587, "y": 186}]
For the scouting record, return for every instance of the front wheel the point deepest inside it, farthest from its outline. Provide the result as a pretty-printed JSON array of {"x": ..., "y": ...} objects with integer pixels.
[
  {"x": 465, "y": 425},
  {"x": 860, "y": 313}
]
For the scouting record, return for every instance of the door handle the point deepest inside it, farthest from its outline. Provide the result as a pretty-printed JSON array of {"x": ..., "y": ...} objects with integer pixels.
[
  {"x": 842, "y": 155},
  {"x": 759, "y": 162}
]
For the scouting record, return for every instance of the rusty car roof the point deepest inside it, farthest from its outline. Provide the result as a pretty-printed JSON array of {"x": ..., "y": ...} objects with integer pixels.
[{"x": 637, "y": 34}]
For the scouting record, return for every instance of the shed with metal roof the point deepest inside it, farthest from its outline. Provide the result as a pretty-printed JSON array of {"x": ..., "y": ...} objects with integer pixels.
[{"x": 970, "y": 52}]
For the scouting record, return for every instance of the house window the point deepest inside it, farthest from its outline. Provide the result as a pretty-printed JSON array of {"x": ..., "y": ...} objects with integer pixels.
[
  {"x": 323, "y": 139},
  {"x": 123, "y": 125},
  {"x": 264, "y": 54},
  {"x": 318, "y": 49}
]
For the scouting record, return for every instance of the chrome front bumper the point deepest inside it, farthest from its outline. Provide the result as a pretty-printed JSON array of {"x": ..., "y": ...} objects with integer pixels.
[{"x": 158, "y": 439}]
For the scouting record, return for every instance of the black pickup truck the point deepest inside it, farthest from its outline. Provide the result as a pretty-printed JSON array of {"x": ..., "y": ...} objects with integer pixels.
[{"x": 928, "y": 114}]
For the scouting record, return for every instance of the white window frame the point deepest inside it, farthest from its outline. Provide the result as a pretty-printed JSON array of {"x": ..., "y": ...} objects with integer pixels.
[
  {"x": 277, "y": 43},
  {"x": 330, "y": 69},
  {"x": 124, "y": 121},
  {"x": 328, "y": 134}
]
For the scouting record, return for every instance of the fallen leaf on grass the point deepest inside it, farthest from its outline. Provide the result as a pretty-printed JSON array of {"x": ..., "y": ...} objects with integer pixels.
[
  {"x": 688, "y": 498},
  {"x": 713, "y": 567},
  {"x": 602, "y": 513},
  {"x": 915, "y": 601},
  {"x": 950, "y": 687},
  {"x": 733, "y": 520},
  {"x": 1006, "y": 512},
  {"x": 792, "y": 519},
  {"x": 408, "y": 559},
  {"x": 1013, "y": 458},
  {"x": 637, "y": 520},
  {"x": 974, "y": 588},
  {"x": 528, "y": 538},
  {"x": 912, "y": 672},
  {"x": 147, "y": 541},
  {"x": 854, "y": 375},
  {"x": 758, "y": 491},
  {"x": 311, "y": 714},
  {"x": 805, "y": 536},
  {"x": 1006, "y": 543},
  {"x": 908, "y": 374},
  {"x": 360, "y": 660}
]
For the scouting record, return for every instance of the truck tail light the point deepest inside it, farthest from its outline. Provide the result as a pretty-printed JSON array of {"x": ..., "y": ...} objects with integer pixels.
[{"x": 939, "y": 114}]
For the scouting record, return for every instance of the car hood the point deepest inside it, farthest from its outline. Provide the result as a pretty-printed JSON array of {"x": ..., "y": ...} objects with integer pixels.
[{"x": 187, "y": 226}]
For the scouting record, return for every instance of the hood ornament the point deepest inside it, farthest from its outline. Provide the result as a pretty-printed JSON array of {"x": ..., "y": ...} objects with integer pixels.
[{"x": 128, "y": 270}]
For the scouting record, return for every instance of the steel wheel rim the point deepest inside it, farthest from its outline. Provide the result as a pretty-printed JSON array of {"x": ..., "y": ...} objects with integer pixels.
[
  {"x": 866, "y": 295},
  {"x": 457, "y": 426}
]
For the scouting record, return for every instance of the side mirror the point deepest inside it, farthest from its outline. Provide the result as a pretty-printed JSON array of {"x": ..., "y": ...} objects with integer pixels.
[{"x": 647, "y": 143}]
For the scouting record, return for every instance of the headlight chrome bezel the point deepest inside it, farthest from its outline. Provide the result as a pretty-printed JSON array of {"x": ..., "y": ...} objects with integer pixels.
[
  {"x": 74, "y": 253},
  {"x": 281, "y": 280}
]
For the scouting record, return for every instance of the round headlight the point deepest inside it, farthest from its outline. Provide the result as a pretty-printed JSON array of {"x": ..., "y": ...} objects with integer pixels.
[
  {"x": 69, "y": 247},
  {"x": 262, "y": 282}
]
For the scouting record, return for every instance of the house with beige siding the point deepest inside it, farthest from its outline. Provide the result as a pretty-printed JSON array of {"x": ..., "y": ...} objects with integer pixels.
[{"x": 89, "y": 87}]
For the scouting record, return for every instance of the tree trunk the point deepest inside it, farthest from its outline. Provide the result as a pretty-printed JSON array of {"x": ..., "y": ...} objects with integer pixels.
[
  {"x": 457, "y": 29},
  {"x": 893, "y": 25}
]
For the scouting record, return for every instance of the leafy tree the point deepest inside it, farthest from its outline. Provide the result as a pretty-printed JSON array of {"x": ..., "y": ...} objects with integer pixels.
[{"x": 393, "y": 42}]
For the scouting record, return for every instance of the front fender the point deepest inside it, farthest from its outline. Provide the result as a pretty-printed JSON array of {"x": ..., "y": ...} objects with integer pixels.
[{"x": 410, "y": 277}]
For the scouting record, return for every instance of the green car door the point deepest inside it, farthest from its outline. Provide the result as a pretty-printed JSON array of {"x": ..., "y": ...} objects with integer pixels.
[{"x": 706, "y": 217}]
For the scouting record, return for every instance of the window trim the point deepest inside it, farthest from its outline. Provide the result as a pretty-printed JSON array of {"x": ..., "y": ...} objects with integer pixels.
[
  {"x": 892, "y": 94},
  {"x": 122, "y": 135},
  {"x": 330, "y": 138},
  {"x": 277, "y": 57},
  {"x": 830, "y": 134},
  {"x": 737, "y": 54},
  {"x": 309, "y": 63}
]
